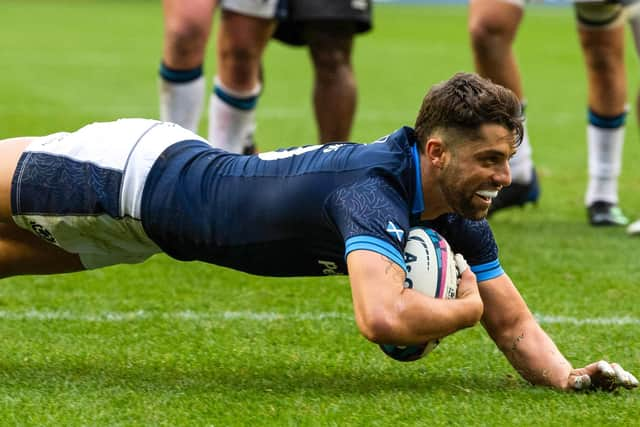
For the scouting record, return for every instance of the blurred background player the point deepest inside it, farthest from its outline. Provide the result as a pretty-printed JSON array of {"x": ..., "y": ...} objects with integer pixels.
[
  {"x": 601, "y": 32},
  {"x": 493, "y": 26},
  {"x": 634, "y": 20},
  {"x": 245, "y": 29},
  {"x": 328, "y": 28},
  {"x": 187, "y": 27}
]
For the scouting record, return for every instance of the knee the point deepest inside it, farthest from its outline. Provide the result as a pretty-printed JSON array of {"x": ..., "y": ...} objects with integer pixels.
[
  {"x": 239, "y": 54},
  {"x": 332, "y": 66},
  {"x": 240, "y": 64},
  {"x": 331, "y": 59},
  {"x": 602, "y": 65},
  {"x": 488, "y": 34},
  {"x": 602, "y": 59},
  {"x": 186, "y": 38}
]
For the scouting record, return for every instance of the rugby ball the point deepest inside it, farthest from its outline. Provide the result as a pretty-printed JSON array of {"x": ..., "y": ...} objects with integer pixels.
[{"x": 431, "y": 270}]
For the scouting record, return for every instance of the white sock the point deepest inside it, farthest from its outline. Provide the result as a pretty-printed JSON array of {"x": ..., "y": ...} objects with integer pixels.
[
  {"x": 605, "y": 161},
  {"x": 182, "y": 102},
  {"x": 521, "y": 163},
  {"x": 232, "y": 117}
]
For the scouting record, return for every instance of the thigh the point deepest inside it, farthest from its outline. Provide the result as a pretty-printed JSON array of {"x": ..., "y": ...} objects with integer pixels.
[
  {"x": 81, "y": 191},
  {"x": 242, "y": 31},
  {"x": 241, "y": 43},
  {"x": 187, "y": 26},
  {"x": 10, "y": 152},
  {"x": 330, "y": 41},
  {"x": 21, "y": 252},
  {"x": 493, "y": 17},
  {"x": 603, "y": 49},
  {"x": 182, "y": 13}
]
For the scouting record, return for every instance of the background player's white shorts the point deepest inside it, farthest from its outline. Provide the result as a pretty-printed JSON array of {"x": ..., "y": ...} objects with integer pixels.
[
  {"x": 82, "y": 190},
  {"x": 267, "y": 9}
]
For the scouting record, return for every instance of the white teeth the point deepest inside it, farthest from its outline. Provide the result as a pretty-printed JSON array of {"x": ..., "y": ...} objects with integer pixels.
[{"x": 487, "y": 194}]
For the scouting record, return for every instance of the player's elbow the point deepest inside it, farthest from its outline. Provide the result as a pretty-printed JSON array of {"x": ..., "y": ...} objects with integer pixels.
[{"x": 376, "y": 326}]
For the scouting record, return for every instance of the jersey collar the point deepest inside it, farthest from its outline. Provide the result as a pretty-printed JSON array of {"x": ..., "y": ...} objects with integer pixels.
[{"x": 418, "y": 201}]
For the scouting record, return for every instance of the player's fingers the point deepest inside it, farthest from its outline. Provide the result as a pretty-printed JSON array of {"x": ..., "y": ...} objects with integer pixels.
[
  {"x": 633, "y": 381},
  {"x": 606, "y": 369},
  {"x": 461, "y": 263},
  {"x": 624, "y": 378},
  {"x": 581, "y": 382}
]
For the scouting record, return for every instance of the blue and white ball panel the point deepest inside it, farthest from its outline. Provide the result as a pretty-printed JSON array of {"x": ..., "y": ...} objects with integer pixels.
[{"x": 81, "y": 190}]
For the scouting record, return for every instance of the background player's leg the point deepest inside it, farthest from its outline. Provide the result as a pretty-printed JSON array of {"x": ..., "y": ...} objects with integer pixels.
[
  {"x": 187, "y": 25},
  {"x": 634, "y": 21},
  {"x": 492, "y": 27},
  {"x": 241, "y": 43},
  {"x": 603, "y": 50},
  {"x": 335, "y": 89}
]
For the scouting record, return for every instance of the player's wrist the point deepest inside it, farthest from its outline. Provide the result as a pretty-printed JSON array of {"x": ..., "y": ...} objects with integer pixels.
[{"x": 471, "y": 310}]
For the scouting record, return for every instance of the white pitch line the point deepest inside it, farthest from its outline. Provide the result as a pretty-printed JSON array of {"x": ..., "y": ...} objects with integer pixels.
[
  {"x": 197, "y": 316},
  {"x": 606, "y": 321}
]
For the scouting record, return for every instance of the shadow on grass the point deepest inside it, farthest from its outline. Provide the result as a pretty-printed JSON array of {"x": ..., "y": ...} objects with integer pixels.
[{"x": 285, "y": 379}]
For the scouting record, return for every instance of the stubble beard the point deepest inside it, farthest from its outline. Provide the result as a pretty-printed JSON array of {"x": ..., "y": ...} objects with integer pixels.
[{"x": 461, "y": 203}]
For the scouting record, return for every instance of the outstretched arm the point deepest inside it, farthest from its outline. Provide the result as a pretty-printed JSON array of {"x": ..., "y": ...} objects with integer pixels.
[
  {"x": 531, "y": 351},
  {"x": 386, "y": 312}
]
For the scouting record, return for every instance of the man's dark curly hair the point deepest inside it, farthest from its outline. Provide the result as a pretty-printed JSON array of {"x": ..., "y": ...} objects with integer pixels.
[{"x": 463, "y": 104}]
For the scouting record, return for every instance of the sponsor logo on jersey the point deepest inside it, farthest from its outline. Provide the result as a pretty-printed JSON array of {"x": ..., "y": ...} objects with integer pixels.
[
  {"x": 395, "y": 231},
  {"x": 42, "y": 232}
]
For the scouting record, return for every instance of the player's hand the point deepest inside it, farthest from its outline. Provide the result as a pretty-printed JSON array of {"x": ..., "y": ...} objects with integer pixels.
[
  {"x": 461, "y": 263},
  {"x": 601, "y": 376},
  {"x": 468, "y": 286}
]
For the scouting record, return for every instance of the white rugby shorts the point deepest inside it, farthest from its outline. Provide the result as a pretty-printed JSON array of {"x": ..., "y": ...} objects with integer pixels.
[
  {"x": 82, "y": 190},
  {"x": 258, "y": 8}
]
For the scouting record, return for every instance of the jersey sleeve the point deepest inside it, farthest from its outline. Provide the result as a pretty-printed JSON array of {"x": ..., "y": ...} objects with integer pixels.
[
  {"x": 371, "y": 215},
  {"x": 474, "y": 240}
]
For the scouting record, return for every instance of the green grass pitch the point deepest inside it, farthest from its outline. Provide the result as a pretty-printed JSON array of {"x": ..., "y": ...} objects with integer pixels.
[{"x": 167, "y": 343}]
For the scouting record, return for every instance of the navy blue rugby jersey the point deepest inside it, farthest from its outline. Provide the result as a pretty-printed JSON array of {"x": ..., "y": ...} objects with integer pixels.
[{"x": 293, "y": 212}]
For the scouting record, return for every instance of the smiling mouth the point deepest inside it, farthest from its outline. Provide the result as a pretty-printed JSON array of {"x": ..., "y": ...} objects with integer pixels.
[{"x": 487, "y": 195}]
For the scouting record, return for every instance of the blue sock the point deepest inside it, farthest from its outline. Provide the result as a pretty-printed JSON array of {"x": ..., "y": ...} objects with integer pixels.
[
  {"x": 606, "y": 122},
  {"x": 241, "y": 103},
  {"x": 179, "y": 76}
]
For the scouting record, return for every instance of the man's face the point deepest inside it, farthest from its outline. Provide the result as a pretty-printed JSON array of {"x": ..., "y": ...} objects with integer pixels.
[{"x": 476, "y": 170}]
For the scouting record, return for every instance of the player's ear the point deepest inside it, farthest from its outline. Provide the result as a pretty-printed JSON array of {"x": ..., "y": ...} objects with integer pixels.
[{"x": 435, "y": 150}]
